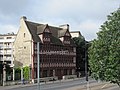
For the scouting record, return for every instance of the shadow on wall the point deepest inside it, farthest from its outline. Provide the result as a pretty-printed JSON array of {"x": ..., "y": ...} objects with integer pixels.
[{"x": 18, "y": 64}]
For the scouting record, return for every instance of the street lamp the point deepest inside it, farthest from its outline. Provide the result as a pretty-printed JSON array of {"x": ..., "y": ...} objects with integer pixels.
[{"x": 38, "y": 64}]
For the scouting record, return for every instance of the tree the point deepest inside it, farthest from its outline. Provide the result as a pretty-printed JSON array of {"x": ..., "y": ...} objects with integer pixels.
[
  {"x": 26, "y": 72},
  {"x": 8, "y": 68},
  {"x": 17, "y": 73},
  {"x": 81, "y": 48},
  {"x": 104, "y": 52}
]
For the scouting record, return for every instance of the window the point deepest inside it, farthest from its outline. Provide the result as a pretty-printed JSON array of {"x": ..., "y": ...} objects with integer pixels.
[
  {"x": 47, "y": 30},
  {"x": 74, "y": 59},
  {"x": 24, "y": 34},
  {"x": 24, "y": 47},
  {"x": 67, "y": 34},
  {"x": 1, "y": 38},
  {"x": 9, "y": 37},
  {"x": 66, "y": 40},
  {"x": 8, "y": 44},
  {"x": 74, "y": 49},
  {"x": 45, "y": 73}
]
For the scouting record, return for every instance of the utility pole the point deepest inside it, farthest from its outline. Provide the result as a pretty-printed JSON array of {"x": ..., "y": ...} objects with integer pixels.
[
  {"x": 12, "y": 58},
  {"x": 38, "y": 64}
]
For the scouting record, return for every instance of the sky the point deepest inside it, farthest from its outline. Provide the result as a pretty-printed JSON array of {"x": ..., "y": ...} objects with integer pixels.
[{"x": 85, "y": 16}]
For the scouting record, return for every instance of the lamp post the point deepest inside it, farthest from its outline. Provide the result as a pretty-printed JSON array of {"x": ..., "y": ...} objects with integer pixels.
[
  {"x": 38, "y": 64},
  {"x": 13, "y": 70},
  {"x": 13, "y": 73}
]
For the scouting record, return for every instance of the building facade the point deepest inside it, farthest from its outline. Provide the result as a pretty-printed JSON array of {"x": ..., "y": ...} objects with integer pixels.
[
  {"x": 6, "y": 48},
  {"x": 75, "y": 34},
  {"x": 57, "y": 49},
  {"x": 7, "y": 56}
]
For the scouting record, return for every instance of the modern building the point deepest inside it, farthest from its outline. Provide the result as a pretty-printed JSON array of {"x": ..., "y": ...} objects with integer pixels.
[
  {"x": 6, "y": 48},
  {"x": 75, "y": 34},
  {"x": 7, "y": 56},
  {"x": 57, "y": 49}
]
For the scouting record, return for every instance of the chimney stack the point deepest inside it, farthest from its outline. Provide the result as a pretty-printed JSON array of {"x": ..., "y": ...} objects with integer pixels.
[
  {"x": 65, "y": 26},
  {"x": 24, "y": 18}
]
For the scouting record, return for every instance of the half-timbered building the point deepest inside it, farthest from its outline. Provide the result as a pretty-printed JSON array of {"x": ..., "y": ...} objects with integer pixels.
[{"x": 57, "y": 49}]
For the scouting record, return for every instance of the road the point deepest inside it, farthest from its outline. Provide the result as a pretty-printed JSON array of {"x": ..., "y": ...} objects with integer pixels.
[
  {"x": 61, "y": 85},
  {"x": 54, "y": 86}
]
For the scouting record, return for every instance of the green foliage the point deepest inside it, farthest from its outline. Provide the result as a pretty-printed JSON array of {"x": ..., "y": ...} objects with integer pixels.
[
  {"x": 8, "y": 68},
  {"x": 79, "y": 41},
  {"x": 80, "y": 54},
  {"x": 18, "y": 69},
  {"x": 104, "y": 53},
  {"x": 26, "y": 72},
  {"x": 17, "y": 73}
]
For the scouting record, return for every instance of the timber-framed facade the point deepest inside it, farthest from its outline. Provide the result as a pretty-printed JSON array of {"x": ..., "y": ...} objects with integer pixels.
[{"x": 57, "y": 49}]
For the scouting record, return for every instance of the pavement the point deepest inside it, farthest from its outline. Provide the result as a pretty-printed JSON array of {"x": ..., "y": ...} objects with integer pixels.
[
  {"x": 96, "y": 86},
  {"x": 27, "y": 85},
  {"x": 87, "y": 86}
]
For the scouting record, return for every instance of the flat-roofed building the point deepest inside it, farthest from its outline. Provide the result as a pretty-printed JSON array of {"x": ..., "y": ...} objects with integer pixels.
[
  {"x": 75, "y": 34},
  {"x": 7, "y": 48}
]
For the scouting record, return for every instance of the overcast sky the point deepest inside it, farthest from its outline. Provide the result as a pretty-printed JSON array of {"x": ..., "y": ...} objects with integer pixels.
[{"x": 85, "y": 16}]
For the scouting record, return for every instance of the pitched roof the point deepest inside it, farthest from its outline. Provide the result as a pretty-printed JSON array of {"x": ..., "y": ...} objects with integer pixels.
[
  {"x": 62, "y": 32},
  {"x": 36, "y": 29},
  {"x": 40, "y": 28},
  {"x": 55, "y": 40}
]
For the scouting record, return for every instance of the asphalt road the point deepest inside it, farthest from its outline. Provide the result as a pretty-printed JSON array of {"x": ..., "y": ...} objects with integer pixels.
[
  {"x": 58, "y": 85},
  {"x": 54, "y": 86}
]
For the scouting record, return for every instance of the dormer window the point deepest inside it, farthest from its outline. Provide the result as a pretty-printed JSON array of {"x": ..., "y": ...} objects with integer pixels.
[
  {"x": 67, "y": 38},
  {"x": 46, "y": 36},
  {"x": 67, "y": 34},
  {"x": 47, "y": 30}
]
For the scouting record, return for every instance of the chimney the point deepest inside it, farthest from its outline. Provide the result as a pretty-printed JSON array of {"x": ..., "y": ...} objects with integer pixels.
[
  {"x": 24, "y": 18},
  {"x": 65, "y": 26}
]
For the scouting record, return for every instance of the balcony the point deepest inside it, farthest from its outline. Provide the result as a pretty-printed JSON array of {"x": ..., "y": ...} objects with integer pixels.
[
  {"x": 8, "y": 47},
  {"x": 7, "y": 53},
  {"x": 1, "y": 53},
  {"x": 5, "y": 47},
  {"x": 7, "y": 59}
]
